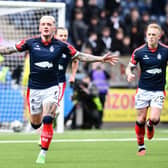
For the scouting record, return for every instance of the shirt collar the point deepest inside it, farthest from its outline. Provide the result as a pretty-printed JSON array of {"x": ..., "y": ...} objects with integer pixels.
[{"x": 46, "y": 43}]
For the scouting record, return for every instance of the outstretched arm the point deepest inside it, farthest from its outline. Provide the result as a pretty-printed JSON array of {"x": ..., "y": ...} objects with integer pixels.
[
  {"x": 7, "y": 50},
  {"x": 91, "y": 58},
  {"x": 130, "y": 72},
  {"x": 74, "y": 70}
]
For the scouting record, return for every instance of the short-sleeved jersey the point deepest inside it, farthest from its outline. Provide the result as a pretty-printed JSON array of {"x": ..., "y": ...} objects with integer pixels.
[
  {"x": 43, "y": 60},
  {"x": 62, "y": 66},
  {"x": 153, "y": 66}
]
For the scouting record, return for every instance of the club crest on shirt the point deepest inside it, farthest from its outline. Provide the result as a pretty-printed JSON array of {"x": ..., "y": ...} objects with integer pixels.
[
  {"x": 159, "y": 56},
  {"x": 64, "y": 56},
  {"x": 51, "y": 49}
]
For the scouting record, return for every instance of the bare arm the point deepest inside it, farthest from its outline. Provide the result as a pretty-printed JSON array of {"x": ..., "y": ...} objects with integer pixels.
[
  {"x": 74, "y": 70},
  {"x": 130, "y": 72},
  {"x": 88, "y": 57},
  {"x": 7, "y": 50},
  {"x": 92, "y": 58}
]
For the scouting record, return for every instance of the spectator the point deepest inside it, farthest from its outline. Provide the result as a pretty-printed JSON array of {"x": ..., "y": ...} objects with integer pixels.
[
  {"x": 106, "y": 37},
  {"x": 100, "y": 78},
  {"x": 132, "y": 19},
  {"x": 117, "y": 44},
  {"x": 78, "y": 4},
  {"x": 94, "y": 25},
  {"x": 137, "y": 37},
  {"x": 92, "y": 10},
  {"x": 95, "y": 43},
  {"x": 115, "y": 22},
  {"x": 112, "y": 5},
  {"x": 79, "y": 29},
  {"x": 145, "y": 19},
  {"x": 126, "y": 46},
  {"x": 103, "y": 18}
]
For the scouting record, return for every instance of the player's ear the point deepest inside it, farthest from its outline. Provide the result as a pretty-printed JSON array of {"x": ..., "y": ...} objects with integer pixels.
[
  {"x": 161, "y": 34},
  {"x": 55, "y": 30}
]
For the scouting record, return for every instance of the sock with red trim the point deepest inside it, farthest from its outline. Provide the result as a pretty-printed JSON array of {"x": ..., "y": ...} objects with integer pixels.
[
  {"x": 47, "y": 132},
  {"x": 140, "y": 132}
]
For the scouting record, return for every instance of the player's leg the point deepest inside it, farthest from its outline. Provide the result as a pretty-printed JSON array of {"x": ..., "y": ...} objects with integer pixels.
[
  {"x": 154, "y": 118},
  {"x": 57, "y": 113},
  {"x": 59, "y": 118},
  {"x": 35, "y": 108},
  {"x": 140, "y": 130},
  {"x": 50, "y": 98},
  {"x": 142, "y": 100}
]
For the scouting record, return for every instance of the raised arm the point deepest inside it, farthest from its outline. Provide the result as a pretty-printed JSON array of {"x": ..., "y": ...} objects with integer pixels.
[
  {"x": 7, "y": 50},
  {"x": 107, "y": 58}
]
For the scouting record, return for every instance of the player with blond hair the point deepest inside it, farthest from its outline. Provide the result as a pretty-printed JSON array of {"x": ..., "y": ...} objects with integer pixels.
[
  {"x": 45, "y": 52},
  {"x": 152, "y": 58}
]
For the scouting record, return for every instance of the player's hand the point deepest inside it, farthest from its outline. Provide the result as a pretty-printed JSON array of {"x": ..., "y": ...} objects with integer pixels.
[
  {"x": 110, "y": 58},
  {"x": 130, "y": 77},
  {"x": 71, "y": 79}
]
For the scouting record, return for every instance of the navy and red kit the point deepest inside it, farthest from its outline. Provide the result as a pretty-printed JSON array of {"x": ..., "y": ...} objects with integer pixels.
[
  {"x": 62, "y": 66},
  {"x": 44, "y": 60},
  {"x": 153, "y": 66}
]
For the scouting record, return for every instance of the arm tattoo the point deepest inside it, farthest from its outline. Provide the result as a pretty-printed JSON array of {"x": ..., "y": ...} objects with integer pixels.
[{"x": 88, "y": 57}]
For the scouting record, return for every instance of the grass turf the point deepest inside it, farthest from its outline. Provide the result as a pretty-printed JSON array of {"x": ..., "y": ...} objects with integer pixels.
[{"x": 79, "y": 149}]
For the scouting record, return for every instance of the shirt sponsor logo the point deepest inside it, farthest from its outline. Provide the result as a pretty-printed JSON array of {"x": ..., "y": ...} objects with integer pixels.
[
  {"x": 44, "y": 64},
  {"x": 154, "y": 71},
  {"x": 37, "y": 47},
  {"x": 145, "y": 57}
]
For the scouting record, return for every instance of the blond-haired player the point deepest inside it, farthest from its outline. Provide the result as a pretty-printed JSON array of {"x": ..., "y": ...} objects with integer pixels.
[
  {"x": 152, "y": 58},
  {"x": 44, "y": 52}
]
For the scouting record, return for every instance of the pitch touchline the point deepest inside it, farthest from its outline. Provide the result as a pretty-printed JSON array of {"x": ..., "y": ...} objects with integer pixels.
[{"x": 80, "y": 140}]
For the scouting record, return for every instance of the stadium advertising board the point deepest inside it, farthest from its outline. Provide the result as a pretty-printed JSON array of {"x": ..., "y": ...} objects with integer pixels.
[{"x": 120, "y": 106}]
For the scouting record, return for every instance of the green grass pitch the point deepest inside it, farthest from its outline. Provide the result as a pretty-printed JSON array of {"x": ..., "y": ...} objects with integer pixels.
[{"x": 85, "y": 149}]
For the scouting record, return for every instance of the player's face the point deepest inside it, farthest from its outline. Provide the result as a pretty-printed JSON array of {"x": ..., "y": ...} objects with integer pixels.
[
  {"x": 47, "y": 27},
  {"x": 62, "y": 35},
  {"x": 152, "y": 37}
]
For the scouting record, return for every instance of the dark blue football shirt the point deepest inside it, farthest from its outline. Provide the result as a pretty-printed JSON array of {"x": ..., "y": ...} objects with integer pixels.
[
  {"x": 44, "y": 60},
  {"x": 153, "y": 66},
  {"x": 62, "y": 66}
]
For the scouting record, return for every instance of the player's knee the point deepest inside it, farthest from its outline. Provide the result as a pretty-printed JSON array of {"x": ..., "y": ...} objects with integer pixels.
[
  {"x": 140, "y": 123},
  {"x": 36, "y": 126},
  {"x": 156, "y": 121},
  {"x": 47, "y": 119}
]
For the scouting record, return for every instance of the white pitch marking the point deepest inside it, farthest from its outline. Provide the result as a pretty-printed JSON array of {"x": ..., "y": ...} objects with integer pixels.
[{"x": 80, "y": 140}]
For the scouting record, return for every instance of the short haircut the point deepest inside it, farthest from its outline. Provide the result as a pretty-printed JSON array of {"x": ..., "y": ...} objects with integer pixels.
[
  {"x": 61, "y": 28},
  {"x": 48, "y": 17},
  {"x": 154, "y": 25}
]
